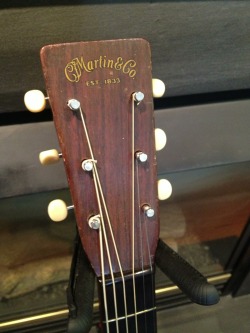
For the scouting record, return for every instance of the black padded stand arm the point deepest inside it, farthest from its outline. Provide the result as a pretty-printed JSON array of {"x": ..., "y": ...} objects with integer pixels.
[
  {"x": 80, "y": 292},
  {"x": 186, "y": 277}
]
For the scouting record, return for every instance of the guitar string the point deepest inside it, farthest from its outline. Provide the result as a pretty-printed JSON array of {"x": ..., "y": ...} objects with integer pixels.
[
  {"x": 103, "y": 279},
  {"x": 102, "y": 229},
  {"x": 117, "y": 255},
  {"x": 150, "y": 260},
  {"x": 138, "y": 313},
  {"x": 133, "y": 209},
  {"x": 145, "y": 223},
  {"x": 141, "y": 240},
  {"x": 100, "y": 192},
  {"x": 150, "y": 264},
  {"x": 95, "y": 176},
  {"x": 133, "y": 230}
]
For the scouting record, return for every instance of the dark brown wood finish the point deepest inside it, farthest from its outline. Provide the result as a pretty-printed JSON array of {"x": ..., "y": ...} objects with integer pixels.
[{"x": 108, "y": 72}]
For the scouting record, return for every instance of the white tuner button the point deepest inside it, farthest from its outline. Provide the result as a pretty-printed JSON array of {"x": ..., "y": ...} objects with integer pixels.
[
  {"x": 158, "y": 87},
  {"x": 160, "y": 139},
  {"x": 49, "y": 157},
  {"x": 164, "y": 189},
  {"x": 34, "y": 101},
  {"x": 57, "y": 210}
]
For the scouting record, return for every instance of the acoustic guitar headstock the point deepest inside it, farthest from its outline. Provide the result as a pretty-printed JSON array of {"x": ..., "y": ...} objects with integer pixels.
[{"x": 101, "y": 98}]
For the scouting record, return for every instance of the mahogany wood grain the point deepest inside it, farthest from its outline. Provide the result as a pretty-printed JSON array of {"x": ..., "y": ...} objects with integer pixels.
[{"x": 107, "y": 111}]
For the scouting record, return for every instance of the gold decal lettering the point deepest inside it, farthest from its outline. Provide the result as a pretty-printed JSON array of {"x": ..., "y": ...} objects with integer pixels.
[
  {"x": 104, "y": 61},
  {"x": 100, "y": 61},
  {"x": 74, "y": 69},
  {"x": 82, "y": 65},
  {"x": 90, "y": 66},
  {"x": 110, "y": 63},
  {"x": 119, "y": 63},
  {"x": 127, "y": 68},
  {"x": 96, "y": 63}
]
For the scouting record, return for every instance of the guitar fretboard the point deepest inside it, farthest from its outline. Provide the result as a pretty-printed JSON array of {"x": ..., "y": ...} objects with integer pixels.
[{"x": 136, "y": 313}]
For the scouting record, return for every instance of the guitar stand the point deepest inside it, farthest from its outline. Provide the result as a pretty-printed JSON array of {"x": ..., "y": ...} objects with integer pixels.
[{"x": 80, "y": 292}]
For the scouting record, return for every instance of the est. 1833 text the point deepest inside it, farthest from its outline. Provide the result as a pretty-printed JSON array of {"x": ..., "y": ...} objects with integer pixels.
[{"x": 92, "y": 83}]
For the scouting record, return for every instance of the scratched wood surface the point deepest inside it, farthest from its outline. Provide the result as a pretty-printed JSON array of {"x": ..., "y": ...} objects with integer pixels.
[{"x": 103, "y": 76}]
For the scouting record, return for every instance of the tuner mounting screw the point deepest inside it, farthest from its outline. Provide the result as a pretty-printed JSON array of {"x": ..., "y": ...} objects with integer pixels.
[
  {"x": 74, "y": 104},
  {"x": 94, "y": 222},
  {"x": 138, "y": 96},
  {"x": 142, "y": 157},
  {"x": 148, "y": 211}
]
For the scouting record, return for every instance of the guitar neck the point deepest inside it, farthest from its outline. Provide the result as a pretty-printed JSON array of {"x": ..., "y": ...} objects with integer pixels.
[
  {"x": 100, "y": 93},
  {"x": 128, "y": 311}
]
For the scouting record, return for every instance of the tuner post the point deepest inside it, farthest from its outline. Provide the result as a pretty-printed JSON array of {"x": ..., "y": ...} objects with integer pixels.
[
  {"x": 88, "y": 165},
  {"x": 141, "y": 157},
  {"x": 94, "y": 222},
  {"x": 74, "y": 104},
  {"x": 138, "y": 96},
  {"x": 148, "y": 211}
]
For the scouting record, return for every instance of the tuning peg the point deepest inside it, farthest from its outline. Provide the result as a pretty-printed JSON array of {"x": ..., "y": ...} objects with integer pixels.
[
  {"x": 158, "y": 87},
  {"x": 35, "y": 101},
  {"x": 160, "y": 139},
  {"x": 164, "y": 189},
  {"x": 57, "y": 210},
  {"x": 49, "y": 157}
]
